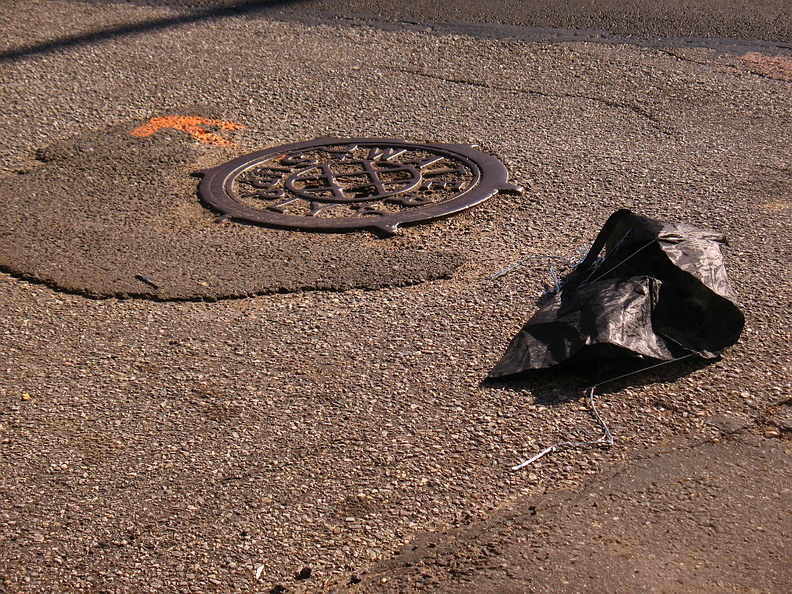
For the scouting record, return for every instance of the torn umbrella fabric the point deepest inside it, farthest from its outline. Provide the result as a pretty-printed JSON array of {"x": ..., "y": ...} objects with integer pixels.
[{"x": 659, "y": 293}]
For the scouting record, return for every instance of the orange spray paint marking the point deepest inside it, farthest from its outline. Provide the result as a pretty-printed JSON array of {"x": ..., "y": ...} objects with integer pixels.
[{"x": 193, "y": 125}]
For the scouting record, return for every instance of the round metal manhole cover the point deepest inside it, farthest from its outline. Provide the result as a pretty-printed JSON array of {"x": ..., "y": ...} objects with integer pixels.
[{"x": 334, "y": 184}]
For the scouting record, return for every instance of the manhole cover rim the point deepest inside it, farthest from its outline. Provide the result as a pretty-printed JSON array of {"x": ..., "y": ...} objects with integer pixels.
[{"x": 489, "y": 177}]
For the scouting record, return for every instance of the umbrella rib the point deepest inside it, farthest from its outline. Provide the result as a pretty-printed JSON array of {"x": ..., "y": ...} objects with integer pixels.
[{"x": 606, "y": 439}]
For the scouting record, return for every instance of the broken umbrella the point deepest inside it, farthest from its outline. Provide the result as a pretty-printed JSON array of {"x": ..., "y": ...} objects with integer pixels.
[{"x": 659, "y": 293}]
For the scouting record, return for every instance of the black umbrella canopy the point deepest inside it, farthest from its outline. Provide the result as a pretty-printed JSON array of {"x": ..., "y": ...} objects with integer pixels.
[{"x": 659, "y": 293}]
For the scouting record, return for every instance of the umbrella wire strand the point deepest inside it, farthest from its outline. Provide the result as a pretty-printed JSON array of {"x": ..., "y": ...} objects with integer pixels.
[
  {"x": 615, "y": 266},
  {"x": 548, "y": 257},
  {"x": 606, "y": 439}
]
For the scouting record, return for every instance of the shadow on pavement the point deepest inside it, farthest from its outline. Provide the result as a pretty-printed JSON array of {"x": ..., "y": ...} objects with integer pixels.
[
  {"x": 567, "y": 382},
  {"x": 214, "y": 10}
]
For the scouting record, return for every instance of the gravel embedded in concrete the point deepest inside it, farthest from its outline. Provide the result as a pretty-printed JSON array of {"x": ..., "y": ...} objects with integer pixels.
[{"x": 227, "y": 446}]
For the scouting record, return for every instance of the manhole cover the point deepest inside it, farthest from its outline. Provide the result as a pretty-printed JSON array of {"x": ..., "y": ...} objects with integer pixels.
[{"x": 334, "y": 184}]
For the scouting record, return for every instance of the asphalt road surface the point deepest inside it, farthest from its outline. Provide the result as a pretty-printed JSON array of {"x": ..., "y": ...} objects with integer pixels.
[
  {"x": 278, "y": 411},
  {"x": 768, "y": 20}
]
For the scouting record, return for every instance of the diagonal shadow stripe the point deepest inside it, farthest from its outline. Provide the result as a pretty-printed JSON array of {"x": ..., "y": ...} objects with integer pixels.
[{"x": 217, "y": 11}]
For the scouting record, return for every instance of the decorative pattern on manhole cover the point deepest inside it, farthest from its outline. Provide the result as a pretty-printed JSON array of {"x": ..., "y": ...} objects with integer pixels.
[{"x": 334, "y": 184}]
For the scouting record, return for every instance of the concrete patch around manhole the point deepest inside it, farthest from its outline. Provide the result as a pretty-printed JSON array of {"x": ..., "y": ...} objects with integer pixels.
[{"x": 112, "y": 214}]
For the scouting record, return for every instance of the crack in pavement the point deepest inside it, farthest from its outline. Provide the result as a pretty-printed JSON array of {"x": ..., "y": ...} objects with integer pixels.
[
  {"x": 727, "y": 67},
  {"x": 654, "y": 121},
  {"x": 681, "y": 58}
]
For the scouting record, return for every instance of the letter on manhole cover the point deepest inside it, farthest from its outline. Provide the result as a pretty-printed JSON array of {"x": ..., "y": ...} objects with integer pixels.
[{"x": 334, "y": 184}]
